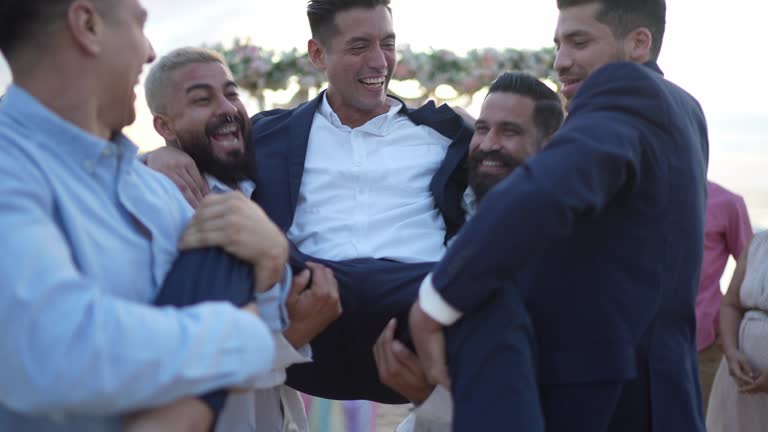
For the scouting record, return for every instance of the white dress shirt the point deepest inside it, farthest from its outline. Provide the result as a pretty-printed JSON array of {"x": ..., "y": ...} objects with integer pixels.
[
  {"x": 434, "y": 415},
  {"x": 272, "y": 407},
  {"x": 365, "y": 191}
]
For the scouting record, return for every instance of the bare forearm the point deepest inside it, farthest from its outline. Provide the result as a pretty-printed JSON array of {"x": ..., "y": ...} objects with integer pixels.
[
  {"x": 186, "y": 415},
  {"x": 730, "y": 321}
]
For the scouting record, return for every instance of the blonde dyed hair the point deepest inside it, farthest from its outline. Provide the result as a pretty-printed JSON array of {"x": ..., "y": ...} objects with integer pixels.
[{"x": 159, "y": 81}]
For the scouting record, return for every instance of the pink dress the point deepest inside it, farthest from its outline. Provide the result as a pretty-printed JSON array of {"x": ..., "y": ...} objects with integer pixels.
[{"x": 729, "y": 410}]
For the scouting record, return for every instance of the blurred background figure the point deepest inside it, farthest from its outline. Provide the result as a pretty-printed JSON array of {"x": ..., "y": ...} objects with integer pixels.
[
  {"x": 739, "y": 399},
  {"x": 727, "y": 232}
]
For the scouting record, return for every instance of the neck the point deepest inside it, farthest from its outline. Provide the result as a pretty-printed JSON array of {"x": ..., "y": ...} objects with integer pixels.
[
  {"x": 66, "y": 92},
  {"x": 353, "y": 117}
]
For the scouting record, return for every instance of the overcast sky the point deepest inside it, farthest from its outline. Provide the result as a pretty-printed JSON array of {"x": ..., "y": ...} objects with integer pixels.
[{"x": 712, "y": 48}]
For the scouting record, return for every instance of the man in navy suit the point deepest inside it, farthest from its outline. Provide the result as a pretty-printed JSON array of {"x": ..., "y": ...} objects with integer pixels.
[
  {"x": 360, "y": 183},
  {"x": 518, "y": 117},
  {"x": 602, "y": 231}
]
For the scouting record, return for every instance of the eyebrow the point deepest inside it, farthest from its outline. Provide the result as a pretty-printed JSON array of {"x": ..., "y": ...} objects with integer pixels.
[
  {"x": 504, "y": 125},
  {"x": 358, "y": 39},
  {"x": 208, "y": 87},
  {"x": 573, "y": 34},
  {"x": 512, "y": 125},
  {"x": 195, "y": 87}
]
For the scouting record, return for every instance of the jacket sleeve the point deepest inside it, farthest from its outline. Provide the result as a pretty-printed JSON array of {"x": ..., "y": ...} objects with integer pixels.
[{"x": 596, "y": 157}]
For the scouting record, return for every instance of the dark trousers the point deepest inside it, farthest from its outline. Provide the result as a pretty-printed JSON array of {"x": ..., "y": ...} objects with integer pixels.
[
  {"x": 205, "y": 275},
  {"x": 492, "y": 364},
  {"x": 490, "y": 352},
  {"x": 612, "y": 406}
]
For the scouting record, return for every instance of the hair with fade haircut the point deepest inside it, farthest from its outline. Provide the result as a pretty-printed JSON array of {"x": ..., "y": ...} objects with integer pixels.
[
  {"x": 25, "y": 22},
  {"x": 624, "y": 16},
  {"x": 322, "y": 15},
  {"x": 548, "y": 114},
  {"x": 158, "y": 83}
]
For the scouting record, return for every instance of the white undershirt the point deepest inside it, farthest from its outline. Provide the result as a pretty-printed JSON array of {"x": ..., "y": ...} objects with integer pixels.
[{"x": 365, "y": 191}]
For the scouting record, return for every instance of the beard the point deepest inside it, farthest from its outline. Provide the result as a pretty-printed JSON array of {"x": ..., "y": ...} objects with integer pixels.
[
  {"x": 236, "y": 166},
  {"x": 482, "y": 182}
]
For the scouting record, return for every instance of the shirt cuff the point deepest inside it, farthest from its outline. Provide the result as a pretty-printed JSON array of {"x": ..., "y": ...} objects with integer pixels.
[
  {"x": 271, "y": 303},
  {"x": 437, "y": 408},
  {"x": 285, "y": 355},
  {"x": 433, "y": 304}
]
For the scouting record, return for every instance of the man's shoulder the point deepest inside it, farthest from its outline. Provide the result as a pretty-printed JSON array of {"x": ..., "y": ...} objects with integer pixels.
[
  {"x": 719, "y": 195},
  {"x": 443, "y": 119},
  {"x": 637, "y": 92},
  {"x": 20, "y": 147},
  {"x": 270, "y": 119},
  {"x": 622, "y": 81}
]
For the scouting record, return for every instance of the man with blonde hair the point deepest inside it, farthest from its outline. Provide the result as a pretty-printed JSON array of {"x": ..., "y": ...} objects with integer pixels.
[{"x": 196, "y": 107}]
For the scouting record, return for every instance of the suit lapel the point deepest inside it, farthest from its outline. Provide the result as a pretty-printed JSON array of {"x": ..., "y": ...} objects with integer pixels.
[
  {"x": 297, "y": 141},
  {"x": 450, "y": 181}
]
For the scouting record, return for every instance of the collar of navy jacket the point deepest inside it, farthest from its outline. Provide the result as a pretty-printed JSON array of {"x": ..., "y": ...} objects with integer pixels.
[{"x": 280, "y": 139}]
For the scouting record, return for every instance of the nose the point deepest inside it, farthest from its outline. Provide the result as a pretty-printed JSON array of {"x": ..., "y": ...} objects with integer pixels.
[
  {"x": 226, "y": 107},
  {"x": 377, "y": 59},
  {"x": 151, "y": 56},
  {"x": 563, "y": 60},
  {"x": 489, "y": 142}
]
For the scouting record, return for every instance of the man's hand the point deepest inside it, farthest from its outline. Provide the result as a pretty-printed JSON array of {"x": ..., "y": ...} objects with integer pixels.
[
  {"x": 182, "y": 170},
  {"x": 740, "y": 369},
  {"x": 241, "y": 227},
  {"x": 185, "y": 415},
  {"x": 399, "y": 368},
  {"x": 428, "y": 337},
  {"x": 311, "y": 310}
]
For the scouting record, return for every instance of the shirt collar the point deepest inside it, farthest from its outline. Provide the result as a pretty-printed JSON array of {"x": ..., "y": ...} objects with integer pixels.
[
  {"x": 469, "y": 202},
  {"x": 70, "y": 141},
  {"x": 217, "y": 186},
  {"x": 377, "y": 126}
]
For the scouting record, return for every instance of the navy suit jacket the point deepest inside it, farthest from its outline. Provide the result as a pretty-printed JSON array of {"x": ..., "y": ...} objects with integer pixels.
[
  {"x": 280, "y": 139},
  {"x": 371, "y": 291},
  {"x": 603, "y": 232}
]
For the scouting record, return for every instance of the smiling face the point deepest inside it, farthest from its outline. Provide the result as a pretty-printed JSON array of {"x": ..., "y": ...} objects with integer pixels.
[
  {"x": 359, "y": 60},
  {"x": 125, "y": 51},
  {"x": 583, "y": 45},
  {"x": 208, "y": 120},
  {"x": 505, "y": 136}
]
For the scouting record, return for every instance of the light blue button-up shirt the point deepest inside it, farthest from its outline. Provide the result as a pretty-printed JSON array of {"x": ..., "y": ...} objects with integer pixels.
[{"x": 82, "y": 222}]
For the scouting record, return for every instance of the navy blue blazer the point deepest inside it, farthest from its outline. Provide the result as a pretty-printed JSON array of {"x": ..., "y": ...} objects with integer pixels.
[
  {"x": 371, "y": 291},
  {"x": 280, "y": 140},
  {"x": 603, "y": 232}
]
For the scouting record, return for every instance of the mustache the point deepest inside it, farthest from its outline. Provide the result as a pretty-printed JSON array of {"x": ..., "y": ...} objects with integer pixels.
[
  {"x": 225, "y": 119},
  {"x": 477, "y": 157}
]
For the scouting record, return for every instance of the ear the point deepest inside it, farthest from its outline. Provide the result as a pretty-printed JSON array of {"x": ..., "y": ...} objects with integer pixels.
[
  {"x": 316, "y": 53},
  {"x": 164, "y": 127},
  {"x": 86, "y": 26},
  {"x": 638, "y": 45}
]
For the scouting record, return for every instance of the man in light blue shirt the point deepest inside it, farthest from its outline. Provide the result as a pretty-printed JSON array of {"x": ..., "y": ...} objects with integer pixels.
[{"x": 90, "y": 234}]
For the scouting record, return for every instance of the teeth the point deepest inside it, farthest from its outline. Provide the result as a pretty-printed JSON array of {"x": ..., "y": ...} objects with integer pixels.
[
  {"x": 228, "y": 129},
  {"x": 228, "y": 142},
  {"x": 373, "y": 81},
  {"x": 492, "y": 163}
]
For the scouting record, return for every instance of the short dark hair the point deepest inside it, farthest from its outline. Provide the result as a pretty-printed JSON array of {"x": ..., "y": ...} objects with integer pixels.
[
  {"x": 548, "y": 114},
  {"x": 624, "y": 16},
  {"x": 21, "y": 20},
  {"x": 322, "y": 14}
]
